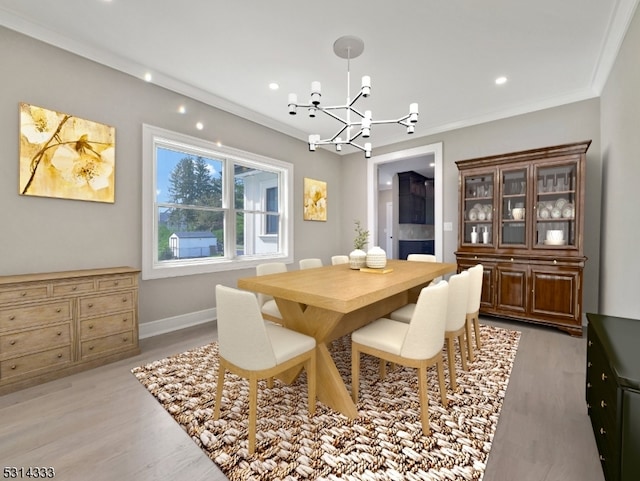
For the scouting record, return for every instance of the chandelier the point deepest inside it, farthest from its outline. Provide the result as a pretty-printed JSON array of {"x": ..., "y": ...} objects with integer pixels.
[{"x": 355, "y": 123}]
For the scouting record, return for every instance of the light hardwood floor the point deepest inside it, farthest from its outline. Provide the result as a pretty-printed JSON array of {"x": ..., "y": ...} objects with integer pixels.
[{"x": 103, "y": 425}]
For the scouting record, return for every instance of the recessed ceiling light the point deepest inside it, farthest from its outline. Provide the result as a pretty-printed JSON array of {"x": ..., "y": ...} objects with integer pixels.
[
  {"x": 501, "y": 80},
  {"x": 147, "y": 77},
  {"x": 182, "y": 109},
  {"x": 199, "y": 126},
  {"x": 274, "y": 86}
]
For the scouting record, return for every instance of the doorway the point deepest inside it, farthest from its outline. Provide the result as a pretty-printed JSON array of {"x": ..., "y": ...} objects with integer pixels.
[{"x": 433, "y": 151}]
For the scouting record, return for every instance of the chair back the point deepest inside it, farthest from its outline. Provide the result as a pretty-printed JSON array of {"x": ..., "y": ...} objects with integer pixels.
[
  {"x": 421, "y": 257},
  {"x": 242, "y": 335},
  {"x": 458, "y": 301},
  {"x": 310, "y": 263},
  {"x": 425, "y": 336},
  {"x": 475, "y": 288},
  {"x": 335, "y": 260},
  {"x": 265, "y": 269}
]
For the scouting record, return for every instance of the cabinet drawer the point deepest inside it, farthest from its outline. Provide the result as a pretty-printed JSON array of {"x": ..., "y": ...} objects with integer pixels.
[
  {"x": 12, "y": 345},
  {"x": 94, "y": 347},
  {"x": 20, "y": 317},
  {"x": 97, "y": 305},
  {"x": 23, "y": 293},
  {"x": 116, "y": 282},
  {"x": 103, "y": 326},
  {"x": 41, "y": 361},
  {"x": 78, "y": 287}
]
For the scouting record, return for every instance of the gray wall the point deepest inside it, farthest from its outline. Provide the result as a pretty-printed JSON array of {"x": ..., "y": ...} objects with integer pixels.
[
  {"x": 42, "y": 235},
  {"x": 570, "y": 123},
  {"x": 620, "y": 123}
]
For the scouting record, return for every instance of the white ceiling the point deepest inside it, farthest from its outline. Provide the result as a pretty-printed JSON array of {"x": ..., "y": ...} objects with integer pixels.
[{"x": 445, "y": 55}]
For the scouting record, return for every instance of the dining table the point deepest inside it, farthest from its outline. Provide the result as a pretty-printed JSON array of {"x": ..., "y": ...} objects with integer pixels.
[{"x": 332, "y": 301}]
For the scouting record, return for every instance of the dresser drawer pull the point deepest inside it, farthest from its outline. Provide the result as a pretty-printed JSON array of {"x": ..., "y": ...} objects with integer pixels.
[
  {"x": 13, "y": 341},
  {"x": 74, "y": 288},
  {"x": 12, "y": 318},
  {"x": 125, "y": 319},
  {"x": 23, "y": 294},
  {"x": 59, "y": 309},
  {"x": 91, "y": 348},
  {"x": 59, "y": 355},
  {"x": 90, "y": 305},
  {"x": 59, "y": 333},
  {"x": 125, "y": 339},
  {"x": 90, "y": 326},
  {"x": 115, "y": 283},
  {"x": 124, "y": 299},
  {"x": 13, "y": 366},
  {"x": 603, "y": 404},
  {"x": 604, "y": 377},
  {"x": 603, "y": 431}
]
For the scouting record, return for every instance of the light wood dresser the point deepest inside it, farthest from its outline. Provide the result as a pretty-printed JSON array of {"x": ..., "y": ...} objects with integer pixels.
[{"x": 56, "y": 324}]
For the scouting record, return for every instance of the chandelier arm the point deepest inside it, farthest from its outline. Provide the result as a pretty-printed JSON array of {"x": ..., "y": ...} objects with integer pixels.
[
  {"x": 356, "y": 98},
  {"x": 339, "y": 119}
]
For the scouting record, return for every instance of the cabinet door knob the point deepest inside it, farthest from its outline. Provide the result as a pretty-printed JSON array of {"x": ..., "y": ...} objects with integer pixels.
[
  {"x": 124, "y": 299},
  {"x": 13, "y": 366},
  {"x": 555, "y": 261},
  {"x": 115, "y": 283},
  {"x": 23, "y": 294},
  {"x": 59, "y": 355},
  {"x": 59, "y": 333},
  {"x": 58, "y": 309},
  {"x": 90, "y": 304},
  {"x": 11, "y": 318},
  {"x": 90, "y": 326},
  {"x": 603, "y": 431},
  {"x": 125, "y": 319},
  {"x": 588, "y": 384},
  {"x": 125, "y": 339},
  {"x": 74, "y": 288},
  {"x": 590, "y": 343},
  {"x": 604, "y": 377},
  {"x": 602, "y": 458},
  {"x": 91, "y": 348},
  {"x": 13, "y": 341},
  {"x": 589, "y": 364},
  {"x": 603, "y": 404},
  {"x": 512, "y": 259}
]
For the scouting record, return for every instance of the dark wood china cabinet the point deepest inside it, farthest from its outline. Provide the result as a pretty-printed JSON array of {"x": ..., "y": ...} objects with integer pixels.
[{"x": 521, "y": 216}]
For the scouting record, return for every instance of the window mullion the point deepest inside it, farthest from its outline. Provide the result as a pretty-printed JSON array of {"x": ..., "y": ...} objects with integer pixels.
[{"x": 228, "y": 193}]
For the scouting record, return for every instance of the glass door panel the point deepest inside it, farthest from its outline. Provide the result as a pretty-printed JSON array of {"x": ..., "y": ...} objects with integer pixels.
[
  {"x": 555, "y": 206},
  {"x": 513, "y": 212},
  {"x": 478, "y": 208}
]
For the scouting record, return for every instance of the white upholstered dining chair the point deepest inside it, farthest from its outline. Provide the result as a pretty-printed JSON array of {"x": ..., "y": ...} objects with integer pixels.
[
  {"x": 310, "y": 263},
  {"x": 424, "y": 258},
  {"x": 417, "y": 344},
  {"x": 473, "y": 307},
  {"x": 253, "y": 349},
  {"x": 455, "y": 327},
  {"x": 267, "y": 304},
  {"x": 340, "y": 259}
]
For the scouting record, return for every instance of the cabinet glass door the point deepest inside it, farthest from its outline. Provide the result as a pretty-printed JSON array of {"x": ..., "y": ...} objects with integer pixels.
[
  {"x": 478, "y": 209},
  {"x": 513, "y": 212},
  {"x": 555, "y": 207}
]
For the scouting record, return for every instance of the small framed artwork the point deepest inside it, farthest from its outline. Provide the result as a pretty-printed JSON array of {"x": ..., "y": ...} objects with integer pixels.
[
  {"x": 65, "y": 156},
  {"x": 315, "y": 200}
]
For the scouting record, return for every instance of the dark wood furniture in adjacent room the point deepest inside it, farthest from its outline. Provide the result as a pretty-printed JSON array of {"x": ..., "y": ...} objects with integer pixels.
[
  {"x": 613, "y": 393},
  {"x": 522, "y": 217}
]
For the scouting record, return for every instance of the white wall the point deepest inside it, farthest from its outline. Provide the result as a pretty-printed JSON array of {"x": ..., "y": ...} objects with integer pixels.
[
  {"x": 45, "y": 235},
  {"x": 620, "y": 234}
]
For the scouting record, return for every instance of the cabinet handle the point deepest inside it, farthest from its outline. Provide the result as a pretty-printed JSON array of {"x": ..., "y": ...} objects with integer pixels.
[
  {"x": 59, "y": 333},
  {"x": 512, "y": 259},
  {"x": 58, "y": 309},
  {"x": 588, "y": 384},
  {"x": 603, "y": 404},
  {"x": 13, "y": 366},
  {"x": 74, "y": 288},
  {"x": 23, "y": 294},
  {"x": 90, "y": 304},
  {"x": 590, "y": 343},
  {"x": 125, "y": 319},
  {"x": 602, "y": 458},
  {"x": 604, "y": 377},
  {"x": 115, "y": 283},
  {"x": 90, "y": 326},
  {"x": 588, "y": 406},
  {"x": 11, "y": 318},
  {"x": 13, "y": 341},
  {"x": 603, "y": 431},
  {"x": 589, "y": 364},
  {"x": 555, "y": 261},
  {"x": 91, "y": 348},
  {"x": 125, "y": 339},
  {"x": 59, "y": 355},
  {"x": 124, "y": 299}
]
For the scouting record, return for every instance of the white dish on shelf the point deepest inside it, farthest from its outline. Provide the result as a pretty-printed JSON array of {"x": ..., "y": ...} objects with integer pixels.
[{"x": 555, "y": 242}]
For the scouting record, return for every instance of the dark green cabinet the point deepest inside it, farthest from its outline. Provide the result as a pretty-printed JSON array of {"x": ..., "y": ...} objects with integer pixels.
[{"x": 613, "y": 393}]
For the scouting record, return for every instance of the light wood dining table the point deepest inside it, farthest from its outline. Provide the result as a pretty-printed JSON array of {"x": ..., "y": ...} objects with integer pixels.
[{"x": 332, "y": 301}]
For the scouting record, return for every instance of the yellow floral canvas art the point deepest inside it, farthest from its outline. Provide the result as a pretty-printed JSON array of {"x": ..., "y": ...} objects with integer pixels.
[
  {"x": 65, "y": 157},
  {"x": 315, "y": 200}
]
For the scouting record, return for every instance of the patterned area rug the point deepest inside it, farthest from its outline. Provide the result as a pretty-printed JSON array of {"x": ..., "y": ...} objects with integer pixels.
[{"x": 384, "y": 443}]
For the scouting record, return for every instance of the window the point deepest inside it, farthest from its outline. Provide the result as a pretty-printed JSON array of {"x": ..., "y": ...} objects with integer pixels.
[{"x": 208, "y": 208}]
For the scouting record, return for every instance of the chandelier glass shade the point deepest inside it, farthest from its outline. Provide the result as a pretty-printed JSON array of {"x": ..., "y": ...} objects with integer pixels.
[{"x": 355, "y": 123}]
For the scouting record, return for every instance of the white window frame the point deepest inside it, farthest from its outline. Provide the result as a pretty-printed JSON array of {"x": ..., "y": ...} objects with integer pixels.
[{"x": 154, "y": 137}]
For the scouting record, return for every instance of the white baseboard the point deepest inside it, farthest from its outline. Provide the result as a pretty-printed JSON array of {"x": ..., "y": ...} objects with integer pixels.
[{"x": 170, "y": 324}]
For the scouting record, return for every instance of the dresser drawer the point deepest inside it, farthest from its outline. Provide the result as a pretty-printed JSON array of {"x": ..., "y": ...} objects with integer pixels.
[
  {"x": 30, "y": 364},
  {"x": 116, "y": 282},
  {"x": 101, "y": 345},
  {"x": 97, "y": 305},
  {"x": 71, "y": 288},
  {"x": 24, "y": 293},
  {"x": 35, "y": 315},
  {"x": 23, "y": 342},
  {"x": 103, "y": 326}
]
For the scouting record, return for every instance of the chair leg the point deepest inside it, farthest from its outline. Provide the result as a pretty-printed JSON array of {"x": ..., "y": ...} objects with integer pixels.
[
  {"x": 355, "y": 372},
  {"x": 476, "y": 325},
  {"x": 469, "y": 327},
  {"x": 311, "y": 381},
  {"x": 423, "y": 394},
  {"x": 216, "y": 409},
  {"x": 443, "y": 390},
  {"x": 253, "y": 412},
  {"x": 451, "y": 357},
  {"x": 463, "y": 351}
]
